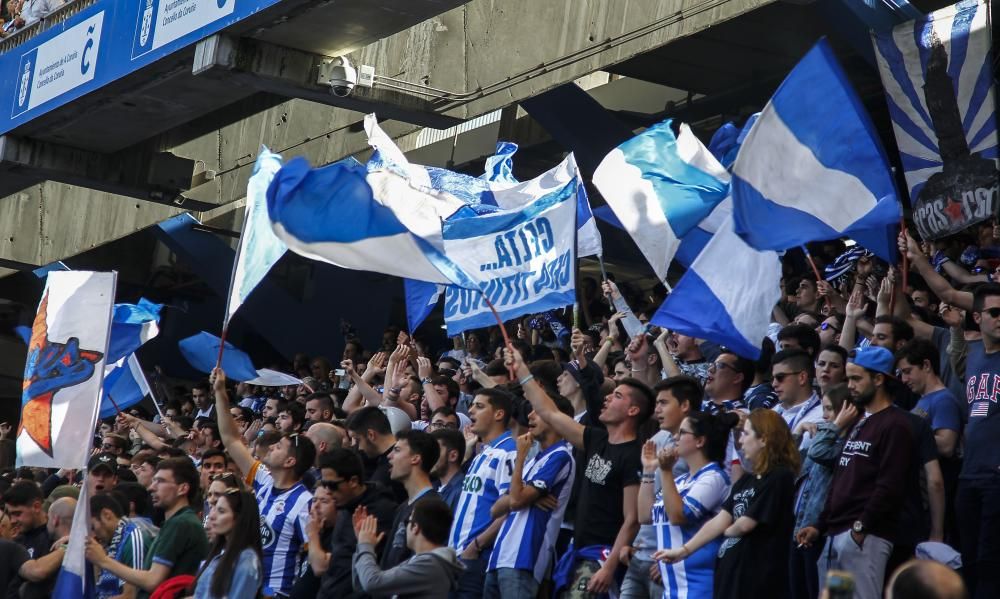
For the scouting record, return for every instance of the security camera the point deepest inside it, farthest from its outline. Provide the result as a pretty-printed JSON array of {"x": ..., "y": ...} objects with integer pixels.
[{"x": 341, "y": 76}]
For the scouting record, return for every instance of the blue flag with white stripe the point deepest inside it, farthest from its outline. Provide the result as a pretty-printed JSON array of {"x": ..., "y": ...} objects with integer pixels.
[
  {"x": 202, "y": 350},
  {"x": 75, "y": 579},
  {"x": 938, "y": 76},
  {"x": 125, "y": 385},
  {"x": 354, "y": 218},
  {"x": 726, "y": 296},
  {"x": 660, "y": 187},
  {"x": 421, "y": 298},
  {"x": 812, "y": 167},
  {"x": 131, "y": 326}
]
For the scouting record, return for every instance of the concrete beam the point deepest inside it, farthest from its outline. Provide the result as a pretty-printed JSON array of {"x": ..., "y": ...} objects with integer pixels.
[
  {"x": 293, "y": 73},
  {"x": 154, "y": 176}
]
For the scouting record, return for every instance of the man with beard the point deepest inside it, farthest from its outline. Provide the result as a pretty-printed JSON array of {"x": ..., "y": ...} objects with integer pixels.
[{"x": 870, "y": 478}]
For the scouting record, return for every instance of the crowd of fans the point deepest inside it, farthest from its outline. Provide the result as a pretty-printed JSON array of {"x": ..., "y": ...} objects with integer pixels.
[
  {"x": 17, "y": 14},
  {"x": 576, "y": 461}
]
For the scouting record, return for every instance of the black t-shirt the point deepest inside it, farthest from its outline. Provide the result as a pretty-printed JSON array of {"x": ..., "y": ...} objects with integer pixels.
[
  {"x": 307, "y": 584},
  {"x": 378, "y": 471},
  {"x": 756, "y": 565},
  {"x": 914, "y": 524},
  {"x": 395, "y": 551},
  {"x": 608, "y": 469},
  {"x": 38, "y": 543},
  {"x": 12, "y": 557}
]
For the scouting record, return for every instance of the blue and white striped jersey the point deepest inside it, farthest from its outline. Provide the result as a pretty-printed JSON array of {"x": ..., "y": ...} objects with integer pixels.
[
  {"x": 488, "y": 477},
  {"x": 527, "y": 536},
  {"x": 283, "y": 521},
  {"x": 702, "y": 494}
]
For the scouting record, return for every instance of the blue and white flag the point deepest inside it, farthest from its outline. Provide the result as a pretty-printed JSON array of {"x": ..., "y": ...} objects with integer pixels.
[
  {"x": 522, "y": 259},
  {"x": 726, "y": 296},
  {"x": 202, "y": 350},
  {"x": 259, "y": 247},
  {"x": 500, "y": 166},
  {"x": 938, "y": 76},
  {"x": 660, "y": 186},
  {"x": 132, "y": 325},
  {"x": 812, "y": 167},
  {"x": 125, "y": 385},
  {"x": 75, "y": 579},
  {"x": 374, "y": 221}
]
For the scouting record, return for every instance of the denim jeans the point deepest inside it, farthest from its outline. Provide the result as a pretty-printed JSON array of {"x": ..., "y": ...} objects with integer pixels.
[
  {"x": 470, "y": 582},
  {"x": 510, "y": 583},
  {"x": 638, "y": 584},
  {"x": 977, "y": 506}
]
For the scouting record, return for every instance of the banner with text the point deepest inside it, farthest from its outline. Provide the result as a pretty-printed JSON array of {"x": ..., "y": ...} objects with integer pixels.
[
  {"x": 523, "y": 260},
  {"x": 938, "y": 76}
]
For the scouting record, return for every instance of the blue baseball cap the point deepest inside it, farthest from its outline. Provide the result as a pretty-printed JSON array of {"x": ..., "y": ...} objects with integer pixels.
[{"x": 877, "y": 359}]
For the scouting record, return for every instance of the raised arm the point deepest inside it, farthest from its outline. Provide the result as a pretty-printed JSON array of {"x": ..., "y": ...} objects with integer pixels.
[
  {"x": 228, "y": 429},
  {"x": 938, "y": 284},
  {"x": 424, "y": 371},
  {"x": 667, "y": 358},
  {"x": 601, "y": 357},
  {"x": 567, "y": 427}
]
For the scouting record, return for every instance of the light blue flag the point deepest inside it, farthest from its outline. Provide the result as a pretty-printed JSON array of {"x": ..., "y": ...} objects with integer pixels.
[
  {"x": 660, "y": 187},
  {"x": 376, "y": 221},
  {"x": 132, "y": 325},
  {"x": 202, "y": 350},
  {"x": 75, "y": 579},
  {"x": 812, "y": 167},
  {"x": 500, "y": 166},
  {"x": 726, "y": 296},
  {"x": 125, "y": 385},
  {"x": 259, "y": 247}
]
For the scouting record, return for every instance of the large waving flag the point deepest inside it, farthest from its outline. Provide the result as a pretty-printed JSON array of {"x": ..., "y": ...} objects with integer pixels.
[
  {"x": 726, "y": 296},
  {"x": 64, "y": 369},
  {"x": 259, "y": 247},
  {"x": 660, "y": 186},
  {"x": 376, "y": 221},
  {"x": 76, "y": 576},
  {"x": 125, "y": 385},
  {"x": 132, "y": 325},
  {"x": 812, "y": 167}
]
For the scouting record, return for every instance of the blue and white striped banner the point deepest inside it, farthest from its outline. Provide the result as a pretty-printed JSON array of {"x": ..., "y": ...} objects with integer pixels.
[{"x": 938, "y": 76}]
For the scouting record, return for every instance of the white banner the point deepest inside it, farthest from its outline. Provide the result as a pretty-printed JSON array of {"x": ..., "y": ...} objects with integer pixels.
[{"x": 65, "y": 369}]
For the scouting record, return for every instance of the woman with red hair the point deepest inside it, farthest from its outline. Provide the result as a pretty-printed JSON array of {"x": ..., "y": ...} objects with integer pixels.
[{"x": 757, "y": 518}]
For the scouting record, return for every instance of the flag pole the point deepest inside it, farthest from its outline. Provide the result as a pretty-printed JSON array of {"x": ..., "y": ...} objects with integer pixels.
[
  {"x": 503, "y": 331},
  {"x": 815, "y": 270}
]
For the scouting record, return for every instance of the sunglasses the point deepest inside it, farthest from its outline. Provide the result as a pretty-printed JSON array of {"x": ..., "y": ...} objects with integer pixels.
[
  {"x": 993, "y": 312},
  {"x": 827, "y": 326},
  {"x": 781, "y": 376},
  {"x": 720, "y": 366}
]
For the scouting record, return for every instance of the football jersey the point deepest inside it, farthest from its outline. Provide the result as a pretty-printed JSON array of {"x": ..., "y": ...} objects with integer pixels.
[
  {"x": 526, "y": 538},
  {"x": 702, "y": 494},
  {"x": 283, "y": 520},
  {"x": 488, "y": 476}
]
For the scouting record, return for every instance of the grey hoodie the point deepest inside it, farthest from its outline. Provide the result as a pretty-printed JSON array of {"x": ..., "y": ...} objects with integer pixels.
[{"x": 428, "y": 575}]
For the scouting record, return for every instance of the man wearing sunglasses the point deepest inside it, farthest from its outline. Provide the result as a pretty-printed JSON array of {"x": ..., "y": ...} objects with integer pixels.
[
  {"x": 282, "y": 498},
  {"x": 729, "y": 377},
  {"x": 792, "y": 375}
]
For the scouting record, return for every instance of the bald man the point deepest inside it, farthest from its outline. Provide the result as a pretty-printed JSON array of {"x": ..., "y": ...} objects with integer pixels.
[
  {"x": 325, "y": 437},
  {"x": 40, "y": 573},
  {"x": 925, "y": 579}
]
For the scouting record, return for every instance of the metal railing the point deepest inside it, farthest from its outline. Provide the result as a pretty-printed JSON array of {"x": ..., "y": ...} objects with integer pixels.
[{"x": 55, "y": 17}]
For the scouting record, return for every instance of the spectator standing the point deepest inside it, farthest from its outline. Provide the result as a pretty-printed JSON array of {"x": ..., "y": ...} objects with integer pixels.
[
  {"x": 537, "y": 498},
  {"x": 756, "y": 519},
  {"x": 684, "y": 504},
  {"x": 126, "y": 542},
  {"x": 180, "y": 546},
  {"x": 411, "y": 460},
  {"x": 869, "y": 480},
  {"x": 233, "y": 568},
  {"x": 792, "y": 373},
  {"x": 474, "y": 529},
  {"x": 448, "y": 471},
  {"x": 282, "y": 499},
  {"x": 606, "y": 510}
]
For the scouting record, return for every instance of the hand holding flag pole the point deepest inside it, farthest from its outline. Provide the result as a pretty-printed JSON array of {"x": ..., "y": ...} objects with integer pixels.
[{"x": 815, "y": 270}]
